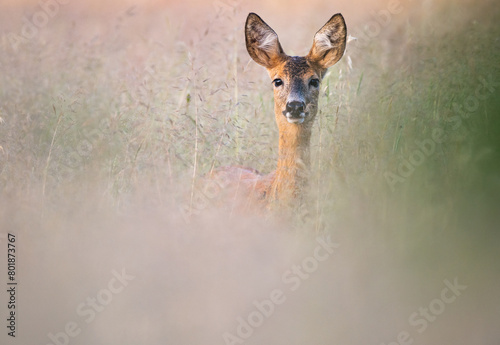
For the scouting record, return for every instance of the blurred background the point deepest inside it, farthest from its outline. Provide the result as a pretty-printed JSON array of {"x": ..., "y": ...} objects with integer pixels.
[{"x": 110, "y": 111}]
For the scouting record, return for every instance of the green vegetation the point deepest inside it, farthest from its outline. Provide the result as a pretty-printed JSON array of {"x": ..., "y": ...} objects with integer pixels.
[{"x": 405, "y": 157}]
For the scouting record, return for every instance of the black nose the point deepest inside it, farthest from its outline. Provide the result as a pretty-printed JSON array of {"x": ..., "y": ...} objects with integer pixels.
[{"x": 295, "y": 108}]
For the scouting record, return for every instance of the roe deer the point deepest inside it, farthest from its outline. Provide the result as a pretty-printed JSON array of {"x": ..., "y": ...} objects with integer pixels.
[{"x": 296, "y": 83}]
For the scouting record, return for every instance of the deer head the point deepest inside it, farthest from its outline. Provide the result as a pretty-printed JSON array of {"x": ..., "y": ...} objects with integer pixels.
[{"x": 296, "y": 79}]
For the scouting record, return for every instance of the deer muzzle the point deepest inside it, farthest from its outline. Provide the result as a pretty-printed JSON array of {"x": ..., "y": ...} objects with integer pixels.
[{"x": 295, "y": 112}]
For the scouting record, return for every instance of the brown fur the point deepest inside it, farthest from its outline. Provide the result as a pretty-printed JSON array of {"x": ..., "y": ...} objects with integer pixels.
[{"x": 297, "y": 75}]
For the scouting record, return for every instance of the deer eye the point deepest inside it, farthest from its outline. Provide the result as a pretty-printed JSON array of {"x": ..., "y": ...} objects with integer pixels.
[
  {"x": 277, "y": 82},
  {"x": 314, "y": 83}
]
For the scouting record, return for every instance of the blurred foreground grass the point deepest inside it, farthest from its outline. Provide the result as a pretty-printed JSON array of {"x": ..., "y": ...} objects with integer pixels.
[{"x": 101, "y": 128}]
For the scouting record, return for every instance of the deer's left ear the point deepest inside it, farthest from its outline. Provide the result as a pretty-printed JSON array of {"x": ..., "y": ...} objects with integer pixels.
[{"x": 329, "y": 43}]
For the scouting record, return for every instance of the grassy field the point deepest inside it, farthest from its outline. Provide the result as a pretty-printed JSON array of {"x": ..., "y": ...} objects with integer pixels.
[{"x": 108, "y": 113}]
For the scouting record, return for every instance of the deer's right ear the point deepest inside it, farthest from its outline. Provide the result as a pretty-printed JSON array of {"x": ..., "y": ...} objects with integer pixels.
[{"x": 262, "y": 42}]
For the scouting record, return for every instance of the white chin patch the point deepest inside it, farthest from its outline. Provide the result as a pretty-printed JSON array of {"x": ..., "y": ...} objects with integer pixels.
[{"x": 296, "y": 120}]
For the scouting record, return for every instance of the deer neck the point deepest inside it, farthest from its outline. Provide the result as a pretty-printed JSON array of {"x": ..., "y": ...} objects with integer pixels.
[{"x": 293, "y": 162}]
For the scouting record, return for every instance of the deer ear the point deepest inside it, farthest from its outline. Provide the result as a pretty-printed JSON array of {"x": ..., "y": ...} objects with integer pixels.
[
  {"x": 262, "y": 42},
  {"x": 329, "y": 43}
]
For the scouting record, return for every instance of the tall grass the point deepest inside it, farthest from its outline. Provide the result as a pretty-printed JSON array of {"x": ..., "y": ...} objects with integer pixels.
[{"x": 107, "y": 121}]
